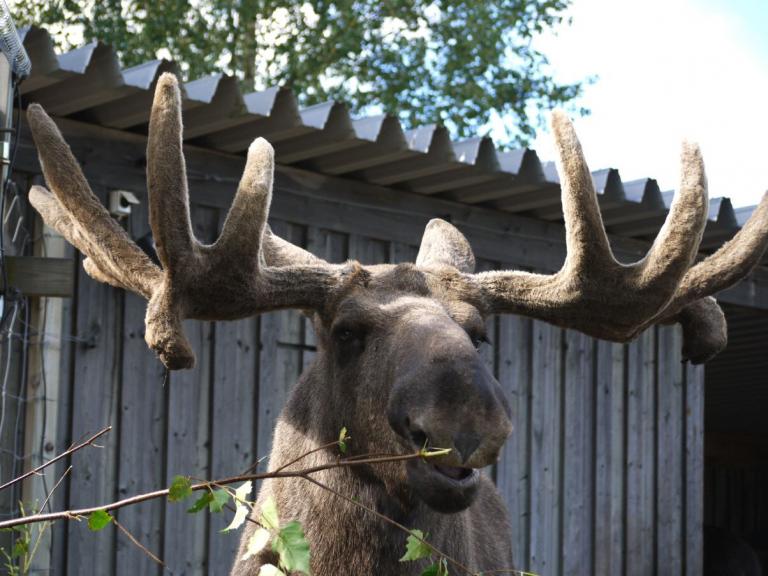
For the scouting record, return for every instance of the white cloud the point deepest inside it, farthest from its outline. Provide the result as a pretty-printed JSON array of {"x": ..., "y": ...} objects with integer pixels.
[{"x": 668, "y": 70}]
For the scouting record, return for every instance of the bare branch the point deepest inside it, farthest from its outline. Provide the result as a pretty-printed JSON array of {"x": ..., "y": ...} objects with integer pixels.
[
  {"x": 138, "y": 544},
  {"x": 72, "y": 450},
  {"x": 50, "y": 494}
]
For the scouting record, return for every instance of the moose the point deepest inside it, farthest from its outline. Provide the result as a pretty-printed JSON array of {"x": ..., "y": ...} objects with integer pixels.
[{"x": 397, "y": 360}]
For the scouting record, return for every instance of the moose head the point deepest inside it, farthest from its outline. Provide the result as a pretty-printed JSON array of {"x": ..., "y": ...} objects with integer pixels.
[{"x": 397, "y": 344}]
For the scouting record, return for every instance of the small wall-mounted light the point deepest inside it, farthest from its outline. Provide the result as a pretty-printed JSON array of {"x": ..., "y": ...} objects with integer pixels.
[{"x": 120, "y": 203}]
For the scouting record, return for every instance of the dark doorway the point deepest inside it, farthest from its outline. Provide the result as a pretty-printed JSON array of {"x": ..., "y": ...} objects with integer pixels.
[{"x": 736, "y": 441}]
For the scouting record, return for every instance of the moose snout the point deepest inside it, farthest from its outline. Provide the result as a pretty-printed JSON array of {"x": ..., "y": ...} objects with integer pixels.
[{"x": 455, "y": 404}]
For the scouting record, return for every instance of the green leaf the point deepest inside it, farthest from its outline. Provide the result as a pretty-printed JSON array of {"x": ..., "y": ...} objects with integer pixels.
[
  {"x": 293, "y": 548},
  {"x": 256, "y": 543},
  {"x": 201, "y": 503},
  {"x": 242, "y": 493},
  {"x": 180, "y": 488},
  {"x": 343, "y": 440},
  {"x": 220, "y": 497},
  {"x": 437, "y": 569},
  {"x": 270, "y": 570},
  {"x": 241, "y": 513},
  {"x": 20, "y": 548},
  {"x": 269, "y": 518},
  {"x": 98, "y": 519},
  {"x": 415, "y": 548}
]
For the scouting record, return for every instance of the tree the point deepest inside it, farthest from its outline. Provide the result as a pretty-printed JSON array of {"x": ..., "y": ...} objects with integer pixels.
[{"x": 454, "y": 62}]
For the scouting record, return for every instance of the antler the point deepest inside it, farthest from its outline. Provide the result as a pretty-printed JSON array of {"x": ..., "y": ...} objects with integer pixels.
[
  {"x": 246, "y": 271},
  {"x": 597, "y": 295}
]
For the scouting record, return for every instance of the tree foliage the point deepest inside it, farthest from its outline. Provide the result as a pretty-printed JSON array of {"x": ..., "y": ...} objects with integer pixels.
[{"x": 456, "y": 62}]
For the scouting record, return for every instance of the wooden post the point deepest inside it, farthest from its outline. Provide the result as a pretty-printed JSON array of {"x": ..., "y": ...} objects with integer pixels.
[{"x": 43, "y": 377}]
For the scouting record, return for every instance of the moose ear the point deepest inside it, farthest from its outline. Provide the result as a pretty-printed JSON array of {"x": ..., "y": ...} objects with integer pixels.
[{"x": 443, "y": 245}]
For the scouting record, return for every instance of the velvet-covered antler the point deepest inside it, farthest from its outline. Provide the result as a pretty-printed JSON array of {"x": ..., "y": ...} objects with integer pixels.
[
  {"x": 246, "y": 271},
  {"x": 597, "y": 295}
]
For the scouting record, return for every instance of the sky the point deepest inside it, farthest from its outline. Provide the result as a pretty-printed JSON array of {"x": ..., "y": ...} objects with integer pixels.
[{"x": 668, "y": 70}]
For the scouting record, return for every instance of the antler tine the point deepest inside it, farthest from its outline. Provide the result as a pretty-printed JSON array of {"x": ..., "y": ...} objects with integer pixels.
[
  {"x": 56, "y": 217},
  {"x": 167, "y": 178},
  {"x": 677, "y": 243},
  {"x": 75, "y": 212},
  {"x": 585, "y": 238},
  {"x": 280, "y": 253},
  {"x": 247, "y": 217},
  {"x": 593, "y": 292},
  {"x": 734, "y": 260}
]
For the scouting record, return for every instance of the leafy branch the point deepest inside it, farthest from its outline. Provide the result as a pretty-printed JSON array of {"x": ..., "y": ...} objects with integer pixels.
[
  {"x": 80, "y": 513},
  {"x": 288, "y": 542}
]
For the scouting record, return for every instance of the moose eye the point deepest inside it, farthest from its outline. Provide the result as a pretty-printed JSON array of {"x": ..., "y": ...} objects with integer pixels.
[
  {"x": 349, "y": 338},
  {"x": 344, "y": 335}
]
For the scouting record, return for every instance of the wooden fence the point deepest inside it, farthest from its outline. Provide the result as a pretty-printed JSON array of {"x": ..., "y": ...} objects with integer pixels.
[{"x": 603, "y": 474}]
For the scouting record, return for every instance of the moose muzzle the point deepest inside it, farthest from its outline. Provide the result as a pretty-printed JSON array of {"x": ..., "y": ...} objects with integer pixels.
[{"x": 445, "y": 397}]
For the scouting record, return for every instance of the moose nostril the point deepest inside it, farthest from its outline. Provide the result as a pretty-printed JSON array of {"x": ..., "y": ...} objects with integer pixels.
[
  {"x": 419, "y": 438},
  {"x": 466, "y": 444}
]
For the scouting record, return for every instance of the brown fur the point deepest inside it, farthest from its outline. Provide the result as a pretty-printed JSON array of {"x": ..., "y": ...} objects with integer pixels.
[{"x": 400, "y": 311}]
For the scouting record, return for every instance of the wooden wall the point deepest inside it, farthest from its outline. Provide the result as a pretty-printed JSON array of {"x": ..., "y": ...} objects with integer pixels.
[
  {"x": 736, "y": 488},
  {"x": 603, "y": 474}
]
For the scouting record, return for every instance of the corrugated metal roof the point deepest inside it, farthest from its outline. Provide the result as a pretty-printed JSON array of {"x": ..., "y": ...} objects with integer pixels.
[{"x": 88, "y": 84}]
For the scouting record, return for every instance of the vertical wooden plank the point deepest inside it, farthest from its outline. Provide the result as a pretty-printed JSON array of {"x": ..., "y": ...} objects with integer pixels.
[
  {"x": 609, "y": 459},
  {"x": 670, "y": 474},
  {"x": 577, "y": 458},
  {"x": 513, "y": 470},
  {"x": 545, "y": 449},
  {"x": 327, "y": 244},
  {"x": 721, "y": 497},
  {"x": 488, "y": 351},
  {"x": 709, "y": 500},
  {"x": 694, "y": 470},
  {"x": 400, "y": 253},
  {"x": 734, "y": 499},
  {"x": 233, "y": 423},
  {"x": 64, "y": 407},
  {"x": 44, "y": 380},
  {"x": 142, "y": 444},
  {"x": 332, "y": 247},
  {"x": 142, "y": 432},
  {"x": 368, "y": 250},
  {"x": 95, "y": 404},
  {"x": 185, "y": 549},
  {"x": 281, "y": 338},
  {"x": 233, "y": 441},
  {"x": 641, "y": 443}
]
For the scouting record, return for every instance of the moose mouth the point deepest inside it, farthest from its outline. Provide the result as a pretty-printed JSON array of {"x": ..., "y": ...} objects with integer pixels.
[
  {"x": 446, "y": 489},
  {"x": 454, "y": 472}
]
